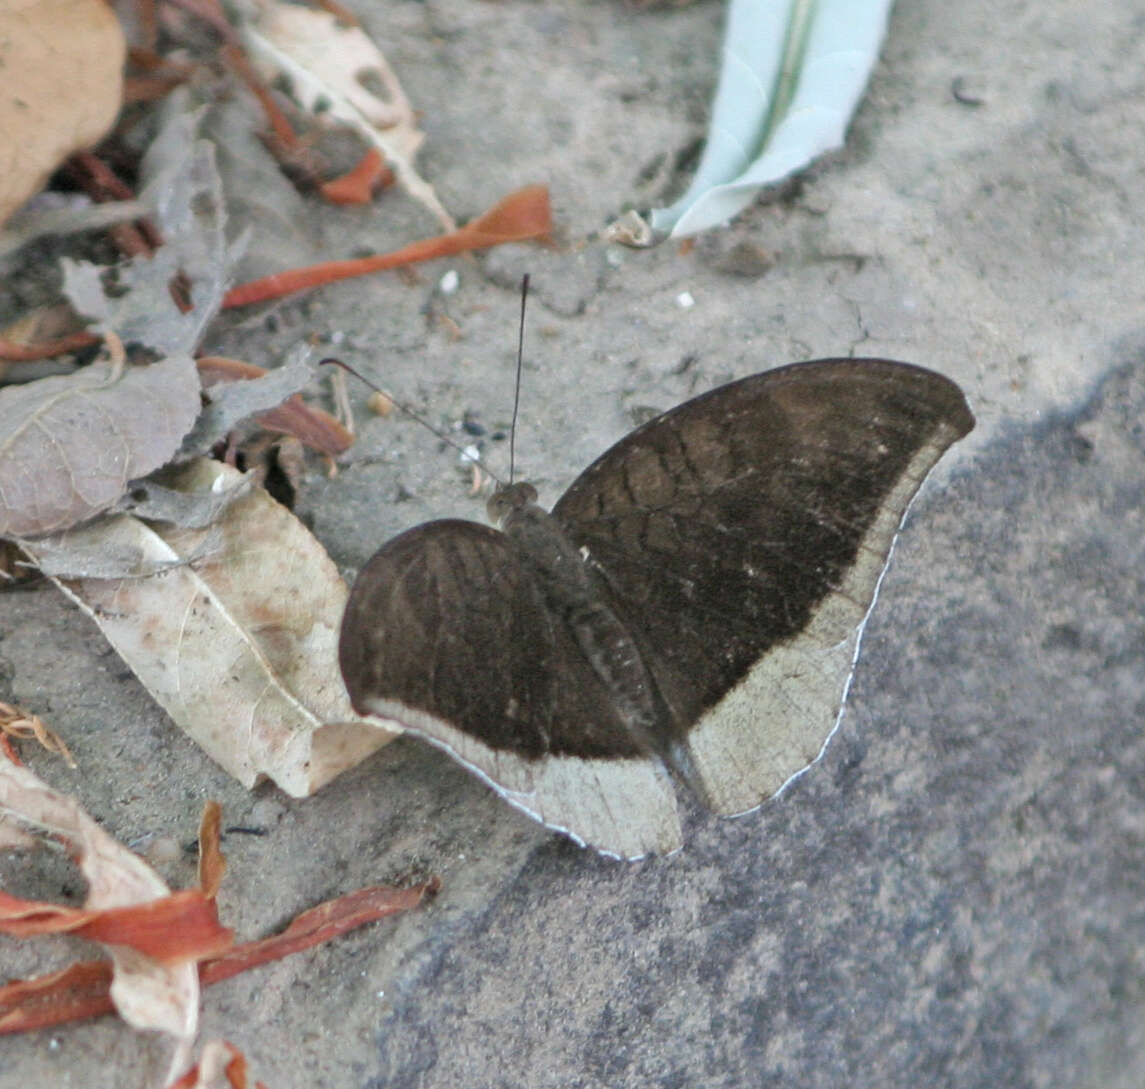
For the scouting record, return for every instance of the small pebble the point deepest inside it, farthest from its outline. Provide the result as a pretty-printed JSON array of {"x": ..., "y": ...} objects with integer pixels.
[
  {"x": 265, "y": 813},
  {"x": 379, "y": 404},
  {"x": 163, "y": 850}
]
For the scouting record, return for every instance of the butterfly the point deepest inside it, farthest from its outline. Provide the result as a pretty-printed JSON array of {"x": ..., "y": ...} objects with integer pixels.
[{"x": 689, "y": 612}]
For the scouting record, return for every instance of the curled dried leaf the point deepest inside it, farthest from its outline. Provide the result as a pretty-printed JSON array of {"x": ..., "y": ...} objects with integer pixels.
[
  {"x": 212, "y": 864},
  {"x": 270, "y": 398},
  {"x": 337, "y": 72},
  {"x": 23, "y": 724},
  {"x": 238, "y": 639}
]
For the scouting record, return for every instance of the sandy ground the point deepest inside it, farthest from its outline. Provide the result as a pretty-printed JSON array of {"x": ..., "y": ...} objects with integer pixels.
[{"x": 954, "y": 895}]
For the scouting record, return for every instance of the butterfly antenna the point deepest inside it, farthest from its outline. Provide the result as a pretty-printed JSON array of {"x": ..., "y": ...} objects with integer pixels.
[
  {"x": 406, "y": 410},
  {"x": 517, "y": 391}
]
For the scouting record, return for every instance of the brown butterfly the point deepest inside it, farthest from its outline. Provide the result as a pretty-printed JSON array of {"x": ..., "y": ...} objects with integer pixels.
[{"x": 691, "y": 609}]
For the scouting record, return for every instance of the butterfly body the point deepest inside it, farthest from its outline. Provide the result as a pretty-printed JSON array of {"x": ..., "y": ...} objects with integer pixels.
[{"x": 693, "y": 603}]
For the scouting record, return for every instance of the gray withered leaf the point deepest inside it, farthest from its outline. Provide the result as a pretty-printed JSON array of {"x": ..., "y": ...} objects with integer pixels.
[
  {"x": 187, "y": 197},
  {"x": 70, "y": 444},
  {"x": 233, "y": 402}
]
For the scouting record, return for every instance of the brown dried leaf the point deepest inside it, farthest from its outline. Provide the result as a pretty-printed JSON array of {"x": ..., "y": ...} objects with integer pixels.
[
  {"x": 181, "y": 926},
  {"x": 48, "y": 45},
  {"x": 320, "y": 924},
  {"x": 80, "y": 991},
  {"x": 69, "y": 444},
  {"x": 238, "y": 640},
  {"x": 15, "y": 722}
]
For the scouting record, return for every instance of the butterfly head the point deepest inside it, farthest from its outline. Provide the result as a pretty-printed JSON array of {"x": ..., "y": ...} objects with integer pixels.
[{"x": 509, "y": 498}]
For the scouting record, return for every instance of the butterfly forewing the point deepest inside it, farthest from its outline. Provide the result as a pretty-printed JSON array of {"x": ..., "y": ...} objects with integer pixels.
[{"x": 741, "y": 538}]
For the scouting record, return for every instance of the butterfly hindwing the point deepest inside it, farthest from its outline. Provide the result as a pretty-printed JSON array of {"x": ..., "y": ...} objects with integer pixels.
[{"x": 445, "y": 633}]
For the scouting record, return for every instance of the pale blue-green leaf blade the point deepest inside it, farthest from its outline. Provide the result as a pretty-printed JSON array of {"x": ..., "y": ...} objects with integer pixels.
[{"x": 792, "y": 76}]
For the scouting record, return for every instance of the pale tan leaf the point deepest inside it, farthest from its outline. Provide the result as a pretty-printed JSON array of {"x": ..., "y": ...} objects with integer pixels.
[
  {"x": 332, "y": 69},
  {"x": 238, "y": 638},
  {"x": 147, "y": 994},
  {"x": 45, "y": 47},
  {"x": 69, "y": 444}
]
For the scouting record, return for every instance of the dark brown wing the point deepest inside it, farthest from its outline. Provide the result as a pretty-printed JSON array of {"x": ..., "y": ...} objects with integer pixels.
[
  {"x": 446, "y": 634},
  {"x": 745, "y": 533}
]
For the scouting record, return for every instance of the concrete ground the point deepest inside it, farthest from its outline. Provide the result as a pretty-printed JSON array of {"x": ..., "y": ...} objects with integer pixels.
[{"x": 955, "y": 895}]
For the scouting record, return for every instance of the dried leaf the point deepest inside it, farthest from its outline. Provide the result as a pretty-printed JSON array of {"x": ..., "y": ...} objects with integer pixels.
[
  {"x": 522, "y": 215},
  {"x": 17, "y": 723},
  {"x": 238, "y": 639},
  {"x": 178, "y": 927},
  {"x": 312, "y": 426},
  {"x": 269, "y": 396},
  {"x": 358, "y": 185},
  {"x": 24, "y": 338},
  {"x": 154, "y": 502},
  {"x": 147, "y": 994},
  {"x": 186, "y": 194},
  {"x": 320, "y": 924},
  {"x": 40, "y": 218},
  {"x": 69, "y": 444},
  {"x": 106, "y": 548},
  {"x": 331, "y": 69},
  {"x": 82, "y": 990},
  {"x": 222, "y": 1066},
  {"x": 49, "y": 45},
  {"x": 212, "y": 864}
]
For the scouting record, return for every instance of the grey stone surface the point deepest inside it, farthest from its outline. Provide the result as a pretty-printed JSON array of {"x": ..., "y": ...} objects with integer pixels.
[{"x": 953, "y": 895}]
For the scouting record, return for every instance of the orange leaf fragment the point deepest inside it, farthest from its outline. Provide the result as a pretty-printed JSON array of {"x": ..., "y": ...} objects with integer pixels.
[
  {"x": 182, "y": 926},
  {"x": 320, "y": 924},
  {"x": 25, "y": 353},
  {"x": 312, "y": 426},
  {"x": 523, "y": 215},
  {"x": 212, "y": 864},
  {"x": 22, "y": 724},
  {"x": 357, "y": 186},
  {"x": 82, "y": 990}
]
